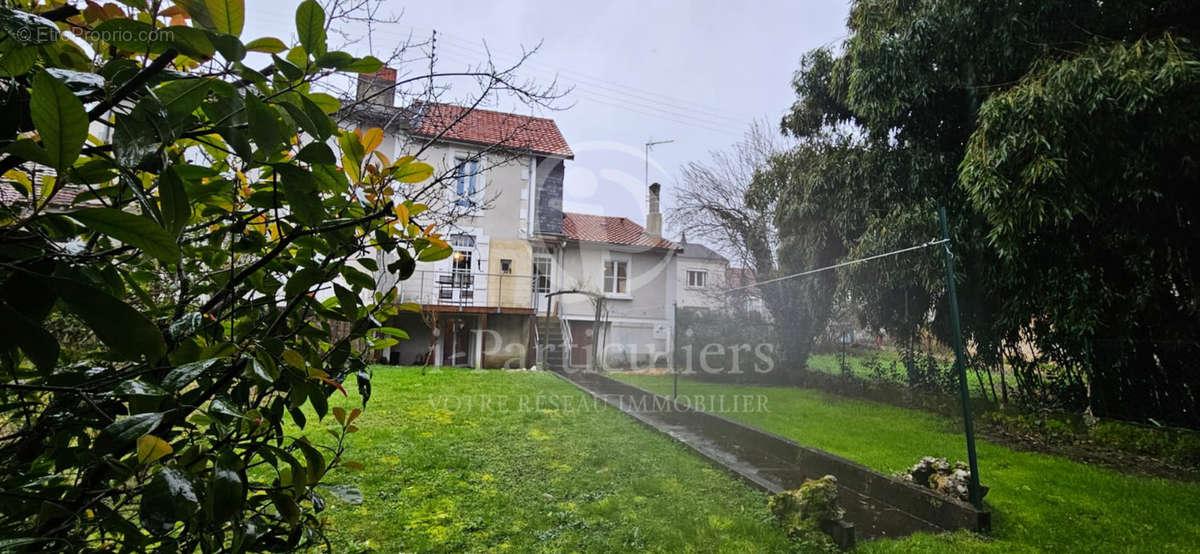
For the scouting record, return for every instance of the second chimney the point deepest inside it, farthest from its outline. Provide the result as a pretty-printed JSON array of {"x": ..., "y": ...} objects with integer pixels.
[
  {"x": 654, "y": 217},
  {"x": 378, "y": 88}
]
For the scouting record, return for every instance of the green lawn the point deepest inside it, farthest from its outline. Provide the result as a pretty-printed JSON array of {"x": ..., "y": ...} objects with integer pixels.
[
  {"x": 1038, "y": 502},
  {"x": 978, "y": 384},
  {"x": 515, "y": 476}
]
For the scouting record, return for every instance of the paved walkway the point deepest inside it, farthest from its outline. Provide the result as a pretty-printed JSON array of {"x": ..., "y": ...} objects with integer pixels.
[{"x": 878, "y": 506}]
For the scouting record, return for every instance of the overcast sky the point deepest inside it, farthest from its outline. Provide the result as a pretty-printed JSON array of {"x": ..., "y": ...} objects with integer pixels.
[{"x": 695, "y": 72}]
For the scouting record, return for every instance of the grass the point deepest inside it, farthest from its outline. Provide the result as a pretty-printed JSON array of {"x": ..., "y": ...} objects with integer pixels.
[
  {"x": 447, "y": 472},
  {"x": 856, "y": 360},
  {"x": 1039, "y": 502}
]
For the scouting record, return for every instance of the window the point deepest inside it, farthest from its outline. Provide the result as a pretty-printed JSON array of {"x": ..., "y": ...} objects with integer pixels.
[
  {"x": 541, "y": 275},
  {"x": 462, "y": 241},
  {"x": 697, "y": 279},
  {"x": 616, "y": 277},
  {"x": 466, "y": 178},
  {"x": 460, "y": 261},
  {"x": 505, "y": 266}
]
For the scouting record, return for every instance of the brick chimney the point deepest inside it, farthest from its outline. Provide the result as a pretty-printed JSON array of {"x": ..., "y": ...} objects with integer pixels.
[
  {"x": 378, "y": 87},
  {"x": 654, "y": 217}
]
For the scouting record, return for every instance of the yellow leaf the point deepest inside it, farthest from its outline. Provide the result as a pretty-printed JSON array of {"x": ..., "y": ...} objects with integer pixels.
[
  {"x": 293, "y": 359},
  {"x": 383, "y": 159},
  {"x": 150, "y": 448},
  {"x": 402, "y": 214},
  {"x": 372, "y": 139},
  {"x": 351, "y": 169}
]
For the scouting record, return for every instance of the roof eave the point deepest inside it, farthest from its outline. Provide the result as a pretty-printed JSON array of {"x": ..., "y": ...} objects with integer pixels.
[{"x": 467, "y": 142}]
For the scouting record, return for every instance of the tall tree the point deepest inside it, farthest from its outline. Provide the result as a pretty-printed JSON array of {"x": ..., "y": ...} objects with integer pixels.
[
  {"x": 204, "y": 255},
  {"x": 978, "y": 107}
]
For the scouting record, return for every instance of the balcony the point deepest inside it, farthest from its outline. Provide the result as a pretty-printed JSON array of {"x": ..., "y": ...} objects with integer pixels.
[{"x": 469, "y": 289}]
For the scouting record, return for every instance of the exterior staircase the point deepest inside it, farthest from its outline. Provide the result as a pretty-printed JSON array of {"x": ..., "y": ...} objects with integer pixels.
[{"x": 552, "y": 352}]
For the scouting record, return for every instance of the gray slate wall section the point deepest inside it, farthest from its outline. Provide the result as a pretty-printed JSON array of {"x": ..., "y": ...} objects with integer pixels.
[{"x": 550, "y": 196}]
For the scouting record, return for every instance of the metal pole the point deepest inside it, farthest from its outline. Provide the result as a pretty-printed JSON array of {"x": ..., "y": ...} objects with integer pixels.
[
  {"x": 956, "y": 328},
  {"x": 674, "y": 350},
  {"x": 649, "y": 143}
]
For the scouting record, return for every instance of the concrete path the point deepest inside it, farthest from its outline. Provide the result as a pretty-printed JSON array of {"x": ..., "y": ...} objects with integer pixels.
[{"x": 877, "y": 505}]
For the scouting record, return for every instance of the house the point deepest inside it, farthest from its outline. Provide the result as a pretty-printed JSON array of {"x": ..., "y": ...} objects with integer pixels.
[
  {"x": 702, "y": 274},
  {"x": 525, "y": 278}
]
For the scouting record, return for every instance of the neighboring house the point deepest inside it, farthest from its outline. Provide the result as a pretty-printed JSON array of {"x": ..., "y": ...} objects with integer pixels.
[
  {"x": 632, "y": 269},
  {"x": 702, "y": 277},
  {"x": 523, "y": 273}
]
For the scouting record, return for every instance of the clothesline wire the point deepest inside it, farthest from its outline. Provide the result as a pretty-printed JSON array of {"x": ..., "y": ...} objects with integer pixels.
[{"x": 843, "y": 264}]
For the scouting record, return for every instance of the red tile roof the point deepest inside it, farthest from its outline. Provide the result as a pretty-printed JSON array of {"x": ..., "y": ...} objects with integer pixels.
[
  {"x": 487, "y": 127},
  {"x": 612, "y": 230},
  {"x": 64, "y": 197}
]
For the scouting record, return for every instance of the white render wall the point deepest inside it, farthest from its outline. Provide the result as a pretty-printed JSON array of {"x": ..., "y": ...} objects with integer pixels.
[{"x": 710, "y": 296}]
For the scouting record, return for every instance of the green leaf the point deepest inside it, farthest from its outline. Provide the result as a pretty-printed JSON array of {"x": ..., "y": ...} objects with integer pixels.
[
  {"x": 310, "y": 26},
  {"x": 227, "y": 16},
  {"x": 265, "y": 126},
  {"x": 300, "y": 189},
  {"x": 286, "y": 505},
  {"x": 131, "y": 229},
  {"x": 313, "y": 459},
  {"x": 289, "y": 70},
  {"x": 334, "y": 60},
  {"x": 226, "y": 494},
  {"x": 185, "y": 374},
  {"x": 269, "y": 45},
  {"x": 369, "y": 64},
  {"x": 317, "y": 153},
  {"x": 368, "y": 263},
  {"x": 323, "y": 125},
  {"x": 123, "y": 329},
  {"x": 170, "y": 497},
  {"x": 435, "y": 253},
  {"x": 358, "y": 278},
  {"x": 134, "y": 387},
  {"x": 412, "y": 172},
  {"x": 190, "y": 42},
  {"x": 173, "y": 202},
  {"x": 199, "y": 12},
  {"x": 27, "y": 29},
  {"x": 59, "y": 118},
  {"x": 404, "y": 266},
  {"x": 18, "y": 61},
  {"x": 392, "y": 331},
  {"x": 124, "y": 431},
  {"x": 229, "y": 46},
  {"x": 28, "y": 150},
  {"x": 348, "y": 301},
  {"x": 37, "y": 343},
  {"x": 302, "y": 280}
]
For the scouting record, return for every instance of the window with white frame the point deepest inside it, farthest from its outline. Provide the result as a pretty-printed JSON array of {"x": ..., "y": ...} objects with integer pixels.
[
  {"x": 467, "y": 181},
  {"x": 697, "y": 279},
  {"x": 541, "y": 274},
  {"x": 616, "y": 276}
]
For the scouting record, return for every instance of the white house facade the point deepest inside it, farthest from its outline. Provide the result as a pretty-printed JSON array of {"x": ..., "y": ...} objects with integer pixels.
[{"x": 525, "y": 278}]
